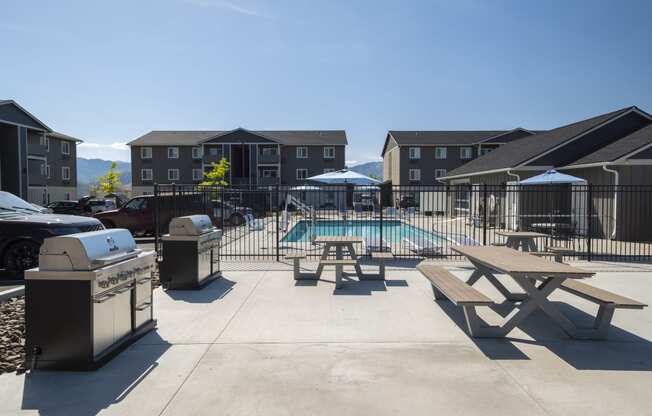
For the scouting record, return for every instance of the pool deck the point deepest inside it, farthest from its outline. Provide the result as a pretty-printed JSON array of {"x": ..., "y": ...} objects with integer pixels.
[{"x": 258, "y": 343}]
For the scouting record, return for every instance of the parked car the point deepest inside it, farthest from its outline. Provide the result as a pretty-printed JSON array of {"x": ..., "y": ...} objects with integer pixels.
[
  {"x": 407, "y": 201},
  {"x": 23, "y": 229},
  {"x": 66, "y": 207}
]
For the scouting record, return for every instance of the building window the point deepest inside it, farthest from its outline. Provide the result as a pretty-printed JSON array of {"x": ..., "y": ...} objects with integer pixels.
[
  {"x": 329, "y": 153},
  {"x": 268, "y": 151},
  {"x": 47, "y": 171},
  {"x": 302, "y": 153},
  {"x": 197, "y": 175},
  {"x": 440, "y": 173},
  {"x": 65, "y": 173},
  {"x": 145, "y": 152},
  {"x": 484, "y": 150},
  {"x": 415, "y": 174},
  {"x": 302, "y": 174},
  {"x": 213, "y": 151},
  {"x": 466, "y": 152},
  {"x": 196, "y": 153},
  {"x": 173, "y": 153},
  {"x": 146, "y": 174},
  {"x": 65, "y": 148},
  {"x": 270, "y": 173},
  {"x": 43, "y": 169},
  {"x": 415, "y": 153},
  {"x": 329, "y": 170},
  {"x": 47, "y": 144},
  {"x": 173, "y": 174},
  {"x": 440, "y": 153}
]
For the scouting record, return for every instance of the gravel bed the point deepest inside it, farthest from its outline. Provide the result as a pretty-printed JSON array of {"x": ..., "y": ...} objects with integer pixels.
[{"x": 12, "y": 334}]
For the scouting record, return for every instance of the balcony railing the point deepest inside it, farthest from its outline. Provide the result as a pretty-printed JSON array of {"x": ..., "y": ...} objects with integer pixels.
[{"x": 268, "y": 158}]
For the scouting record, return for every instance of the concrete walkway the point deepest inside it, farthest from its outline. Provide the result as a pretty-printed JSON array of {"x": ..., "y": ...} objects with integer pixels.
[{"x": 255, "y": 343}]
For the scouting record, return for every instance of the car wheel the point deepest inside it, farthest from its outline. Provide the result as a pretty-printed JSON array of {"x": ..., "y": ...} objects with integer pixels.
[
  {"x": 21, "y": 256},
  {"x": 236, "y": 219}
]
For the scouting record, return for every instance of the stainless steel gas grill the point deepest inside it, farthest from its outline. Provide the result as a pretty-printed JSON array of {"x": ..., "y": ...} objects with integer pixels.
[
  {"x": 190, "y": 253},
  {"x": 90, "y": 297}
]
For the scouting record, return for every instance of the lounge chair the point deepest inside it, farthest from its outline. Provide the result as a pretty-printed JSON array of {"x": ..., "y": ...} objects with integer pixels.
[
  {"x": 375, "y": 244},
  {"x": 422, "y": 246},
  {"x": 390, "y": 212},
  {"x": 252, "y": 223}
]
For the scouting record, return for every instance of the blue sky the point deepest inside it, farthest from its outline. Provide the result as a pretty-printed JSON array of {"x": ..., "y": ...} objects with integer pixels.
[{"x": 110, "y": 71}]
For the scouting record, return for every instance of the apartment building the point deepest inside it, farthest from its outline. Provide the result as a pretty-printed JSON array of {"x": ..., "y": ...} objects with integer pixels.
[
  {"x": 422, "y": 157},
  {"x": 257, "y": 158},
  {"x": 36, "y": 163}
]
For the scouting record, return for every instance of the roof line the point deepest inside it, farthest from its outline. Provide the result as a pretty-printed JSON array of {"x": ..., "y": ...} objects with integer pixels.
[
  {"x": 5, "y": 102},
  {"x": 584, "y": 133},
  {"x": 239, "y": 129},
  {"x": 505, "y": 133}
]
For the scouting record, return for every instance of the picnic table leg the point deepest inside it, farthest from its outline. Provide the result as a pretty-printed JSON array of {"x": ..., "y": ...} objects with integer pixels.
[
  {"x": 338, "y": 267},
  {"x": 511, "y": 243},
  {"x": 538, "y": 298},
  {"x": 324, "y": 256},
  {"x": 354, "y": 256},
  {"x": 381, "y": 268},
  {"x": 483, "y": 271},
  {"x": 297, "y": 271}
]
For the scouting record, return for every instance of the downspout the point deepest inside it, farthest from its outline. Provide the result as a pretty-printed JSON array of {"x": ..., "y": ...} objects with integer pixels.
[
  {"x": 616, "y": 183},
  {"x": 518, "y": 178}
]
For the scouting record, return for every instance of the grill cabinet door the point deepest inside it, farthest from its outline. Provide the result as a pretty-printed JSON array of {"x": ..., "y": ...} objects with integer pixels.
[
  {"x": 122, "y": 312},
  {"x": 102, "y": 323}
]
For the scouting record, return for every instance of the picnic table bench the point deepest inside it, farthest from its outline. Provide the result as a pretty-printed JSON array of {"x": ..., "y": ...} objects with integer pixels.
[{"x": 526, "y": 270}]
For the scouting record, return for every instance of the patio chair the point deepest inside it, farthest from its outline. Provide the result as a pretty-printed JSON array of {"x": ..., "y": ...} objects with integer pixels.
[
  {"x": 422, "y": 246},
  {"x": 376, "y": 244},
  {"x": 254, "y": 224}
]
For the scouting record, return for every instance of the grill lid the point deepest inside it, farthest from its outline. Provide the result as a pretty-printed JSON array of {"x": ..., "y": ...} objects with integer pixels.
[
  {"x": 87, "y": 251},
  {"x": 191, "y": 225}
]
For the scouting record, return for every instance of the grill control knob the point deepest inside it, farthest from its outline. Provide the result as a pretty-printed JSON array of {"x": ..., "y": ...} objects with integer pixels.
[{"x": 113, "y": 280}]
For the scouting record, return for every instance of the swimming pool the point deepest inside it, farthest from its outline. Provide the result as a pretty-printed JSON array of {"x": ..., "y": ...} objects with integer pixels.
[{"x": 393, "y": 230}]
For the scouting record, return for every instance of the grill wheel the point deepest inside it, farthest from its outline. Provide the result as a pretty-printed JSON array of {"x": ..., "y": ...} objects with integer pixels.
[{"x": 21, "y": 256}]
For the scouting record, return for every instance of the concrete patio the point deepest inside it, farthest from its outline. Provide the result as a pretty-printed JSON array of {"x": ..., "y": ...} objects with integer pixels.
[{"x": 255, "y": 342}]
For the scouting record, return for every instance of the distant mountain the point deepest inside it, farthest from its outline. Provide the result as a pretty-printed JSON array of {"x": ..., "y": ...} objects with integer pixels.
[
  {"x": 371, "y": 169},
  {"x": 88, "y": 170}
]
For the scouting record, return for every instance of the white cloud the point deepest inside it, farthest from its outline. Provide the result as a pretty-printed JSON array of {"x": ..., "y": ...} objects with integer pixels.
[
  {"x": 114, "y": 151},
  {"x": 226, "y": 5}
]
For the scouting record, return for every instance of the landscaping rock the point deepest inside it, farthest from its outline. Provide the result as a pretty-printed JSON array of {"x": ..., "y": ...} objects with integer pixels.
[{"x": 12, "y": 334}]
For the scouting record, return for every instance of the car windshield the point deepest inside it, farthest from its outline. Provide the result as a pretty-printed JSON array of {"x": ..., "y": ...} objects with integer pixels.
[{"x": 10, "y": 202}]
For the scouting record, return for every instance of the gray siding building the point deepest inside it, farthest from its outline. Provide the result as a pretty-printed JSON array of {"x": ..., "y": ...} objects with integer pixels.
[
  {"x": 36, "y": 163},
  {"x": 257, "y": 158},
  {"x": 422, "y": 157},
  {"x": 612, "y": 149}
]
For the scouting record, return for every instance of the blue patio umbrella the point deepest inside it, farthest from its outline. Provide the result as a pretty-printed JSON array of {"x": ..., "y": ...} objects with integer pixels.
[
  {"x": 551, "y": 177},
  {"x": 344, "y": 177}
]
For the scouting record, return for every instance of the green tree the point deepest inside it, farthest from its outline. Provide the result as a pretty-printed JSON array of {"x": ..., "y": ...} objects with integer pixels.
[
  {"x": 216, "y": 176},
  {"x": 110, "y": 183}
]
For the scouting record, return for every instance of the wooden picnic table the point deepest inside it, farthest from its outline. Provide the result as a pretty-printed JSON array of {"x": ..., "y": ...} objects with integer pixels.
[
  {"x": 339, "y": 243},
  {"x": 521, "y": 239},
  {"x": 526, "y": 269}
]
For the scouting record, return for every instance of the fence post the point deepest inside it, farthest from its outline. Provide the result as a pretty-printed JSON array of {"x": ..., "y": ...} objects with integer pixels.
[
  {"x": 589, "y": 209},
  {"x": 484, "y": 214},
  {"x": 276, "y": 209},
  {"x": 222, "y": 207},
  {"x": 380, "y": 205},
  {"x": 156, "y": 218}
]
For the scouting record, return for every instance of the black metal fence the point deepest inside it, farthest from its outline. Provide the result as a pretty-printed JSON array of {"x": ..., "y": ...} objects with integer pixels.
[{"x": 592, "y": 221}]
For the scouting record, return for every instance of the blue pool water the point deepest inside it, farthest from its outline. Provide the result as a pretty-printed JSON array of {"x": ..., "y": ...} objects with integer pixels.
[{"x": 393, "y": 230}]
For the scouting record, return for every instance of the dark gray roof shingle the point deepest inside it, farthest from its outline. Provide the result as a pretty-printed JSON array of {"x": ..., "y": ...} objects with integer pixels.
[
  {"x": 513, "y": 154},
  {"x": 287, "y": 137},
  {"x": 403, "y": 137},
  {"x": 619, "y": 148}
]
